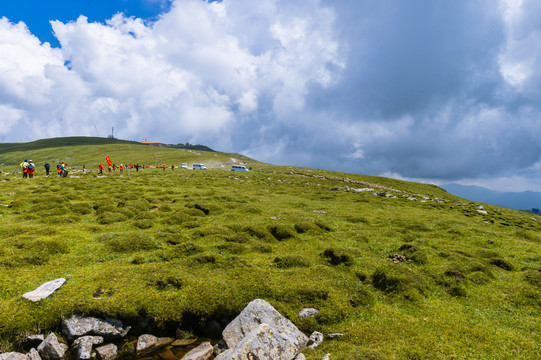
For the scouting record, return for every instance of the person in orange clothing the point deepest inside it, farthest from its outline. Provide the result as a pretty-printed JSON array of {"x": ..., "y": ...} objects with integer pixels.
[
  {"x": 121, "y": 168},
  {"x": 30, "y": 169},
  {"x": 100, "y": 166},
  {"x": 24, "y": 166}
]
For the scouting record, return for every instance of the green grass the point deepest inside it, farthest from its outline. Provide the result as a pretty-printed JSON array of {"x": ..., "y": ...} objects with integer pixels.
[{"x": 183, "y": 245}]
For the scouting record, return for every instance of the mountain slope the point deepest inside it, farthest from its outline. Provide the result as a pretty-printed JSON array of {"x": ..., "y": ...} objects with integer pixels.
[{"x": 514, "y": 200}]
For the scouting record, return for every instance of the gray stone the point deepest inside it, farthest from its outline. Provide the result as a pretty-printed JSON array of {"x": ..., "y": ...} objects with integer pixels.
[
  {"x": 33, "y": 354},
  {"x": 13, "y": 356},
  {"x": 146, "y": 344},
  {"x": 300, "y": 357},
  {"x": 327, "y": 357},
  {"x": 51, "y": 349},
  {"x": 308, "y": 312},
  {"x": 44, "y": 290},
  {"x": 263, "y": 342},
  {"x": 84, "y": 346},
  {"x": 315, "y": 339},
  {"x": 202, "y": 352},
  {"x": 256, "y": 313},
  {"x": 34, "y": 340},
  {"x": 335, "y": 335},
  {"x": 107, "y": 352},
  {"x": 77, "y": 326}
]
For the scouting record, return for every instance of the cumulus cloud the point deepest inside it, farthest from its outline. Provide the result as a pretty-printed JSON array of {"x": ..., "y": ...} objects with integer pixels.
[{"x": 439, "y": 90}]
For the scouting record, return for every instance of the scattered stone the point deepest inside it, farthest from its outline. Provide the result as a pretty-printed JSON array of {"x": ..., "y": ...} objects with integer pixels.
[
  {"x": 363, "y": 190},
  {"x": 167, "y": 355},
  {"x": 411, "y": 198},
  {"x": 258, "y": 312},
  {"x": 308, "y": 312},
  {"x": 315, "y": 339},
  {"x": 202, "y": 352},
  {"x": 74, "y": 177},
  {"x": 300, "y": 357},
  {"x": 183, "y": 342},
  {"x": 13, "y": 356},
  {"x": 397, "y": 258},
  {"x": 34, "y": 340},
  {"x": 51, "y": 349},
  {"x": 320, "y": 212},
  {"x": 84, "y": 346},
  {"x": 147, "y": 344},
  {"x": 484, "y": 212},
  {"x": 44, "y": 290},
  {"x": 33, "y": 354},
  {"x": 220, "y": 347},
  {"x": 327, "y": 357},
  {"x": 107, "y": 352},
  {"x": 263, "y": 342},
  {"x": 335, "y": 335},
  {"x": 77, "y": 326}
]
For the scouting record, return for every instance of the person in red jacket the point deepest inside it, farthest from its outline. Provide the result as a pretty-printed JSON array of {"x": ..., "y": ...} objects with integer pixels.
[{"x": 100, "y": 166}]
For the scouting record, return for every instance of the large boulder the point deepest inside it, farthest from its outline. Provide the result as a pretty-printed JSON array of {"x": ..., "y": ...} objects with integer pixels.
[
  {"x": 202, "y": 352},
  {"x": 256, "y": 313},
  {"x": 13, "y": 356},
  {"x": 51, "y": 349},
  {"x": 263, "y": 343},
  {"x": 77, "y": 326}
]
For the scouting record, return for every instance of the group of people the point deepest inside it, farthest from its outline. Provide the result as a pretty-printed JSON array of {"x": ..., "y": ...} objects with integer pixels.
[{"x": 29, "y": 168}]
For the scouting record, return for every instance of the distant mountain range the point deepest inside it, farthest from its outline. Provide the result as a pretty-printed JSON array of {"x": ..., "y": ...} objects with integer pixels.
[{"x": 526, "y": 200}]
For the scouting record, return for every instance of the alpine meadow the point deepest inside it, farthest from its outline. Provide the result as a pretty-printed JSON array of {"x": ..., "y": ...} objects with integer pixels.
[{"x": 403, "y": 270}]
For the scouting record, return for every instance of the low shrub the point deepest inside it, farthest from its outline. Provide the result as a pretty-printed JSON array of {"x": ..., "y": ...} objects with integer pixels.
[
  {"x": 338, "y": 256},
  {"x": 262, "y": 248},
  {"x": 413, "y": 253},
  {"x": 502, "y": 264},
  {"x": 111, "y": 217},
  {"x": 143, "y": 223},
  {"x": 240, "y": 238},
  {"x": 323, "y": 226},
  {"x": 305, "y": 227},
  {"x": 232, "y": 248},
  {"x": 397, "y": 280},
  {"x": 533, "y": 276},
  {"x": 290, "y": 261},
  {"x": 257, "y": 231},
  {"x": 281, "y": 232},
  {"x": 131, "y": 243}
]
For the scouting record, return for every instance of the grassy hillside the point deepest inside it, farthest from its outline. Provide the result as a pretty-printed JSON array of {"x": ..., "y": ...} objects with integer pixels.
[{"x": 419, "y": 275}]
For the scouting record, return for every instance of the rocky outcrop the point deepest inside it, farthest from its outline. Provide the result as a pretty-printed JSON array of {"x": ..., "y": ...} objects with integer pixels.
[
  {"x": 256, "y": 313},
  {"x": 263, "y": 342},
  {"x": 109, "y": 329}
]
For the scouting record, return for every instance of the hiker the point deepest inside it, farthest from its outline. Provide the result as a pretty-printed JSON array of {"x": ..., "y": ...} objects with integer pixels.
[
  {"x": 59, "y": 170},
  {"x": 172, "y": 167},
  {"x": 84, "y": 169},
  {"x": 24, "y": 166},
  {"x": 30, "y": 169},
  {"x": 121, "y": 168},
  {"x": 47, "y": 167},
  {"x": 163, "y": 167},
  {"x": 100, "y": 167}
]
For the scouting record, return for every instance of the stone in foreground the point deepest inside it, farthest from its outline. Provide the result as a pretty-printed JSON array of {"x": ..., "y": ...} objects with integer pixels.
[
  {"x": 77, "y": 326},
  {"x": 44, "y": 290},
  {"x": 107, "y": 352},
  {"x": 263, "y": 343},
  {"x": 84, "y": 346},
  {"x": 33, "y": 354},
  {"x": 13, "y": 356},
  {"x": 51, "y": 349},
  {"x": 256, "y": 313},
  {"x": 202, "y": 352}
]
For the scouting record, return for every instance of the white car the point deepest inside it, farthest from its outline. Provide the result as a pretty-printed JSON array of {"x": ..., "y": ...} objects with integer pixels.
[
  {"x": 184, "y": 166},
  {"x": 238, "y": 168},
  {"x": 199, "y": 166}
]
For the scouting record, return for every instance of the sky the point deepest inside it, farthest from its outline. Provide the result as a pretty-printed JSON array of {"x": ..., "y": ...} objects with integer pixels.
[{"x": 436, "y": 91}]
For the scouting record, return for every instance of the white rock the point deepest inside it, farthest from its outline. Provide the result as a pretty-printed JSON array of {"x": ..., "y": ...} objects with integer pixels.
[
  {"x": 44, "y": 290},
  {"x": 202, "y": 352},
  {"x": 13, "y": 356},
  {"x": 308, "y": 312}
]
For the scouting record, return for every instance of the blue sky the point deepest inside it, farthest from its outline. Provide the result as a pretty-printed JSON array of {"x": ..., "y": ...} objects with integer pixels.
[
  {"x": 427, "y": 90},
  {"x": 37, "y": 14}
]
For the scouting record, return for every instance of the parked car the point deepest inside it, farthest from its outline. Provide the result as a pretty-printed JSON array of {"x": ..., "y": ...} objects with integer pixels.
[
  {"x": 238, "y": 168},
  {"x": 199, "y": 166},
  {"x": 184, "y": 166}
]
